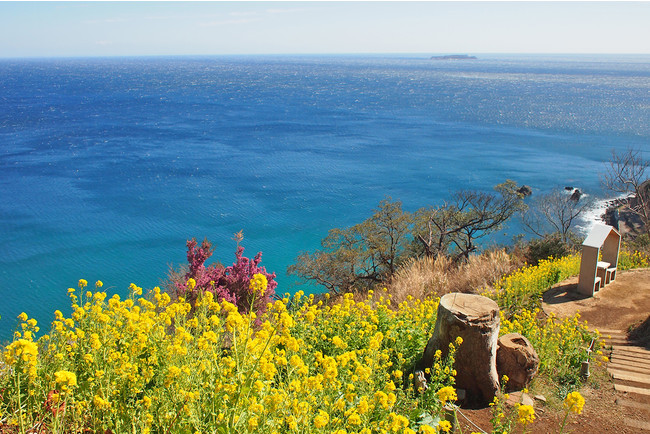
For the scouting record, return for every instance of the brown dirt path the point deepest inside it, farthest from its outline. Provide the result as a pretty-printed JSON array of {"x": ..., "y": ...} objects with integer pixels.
[
  {"x": 617, "y": 306},
  {"x": 613, "y": 310}
]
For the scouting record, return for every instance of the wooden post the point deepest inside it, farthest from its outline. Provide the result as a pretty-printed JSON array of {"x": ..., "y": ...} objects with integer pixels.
[{"x": 475, "y": 319}]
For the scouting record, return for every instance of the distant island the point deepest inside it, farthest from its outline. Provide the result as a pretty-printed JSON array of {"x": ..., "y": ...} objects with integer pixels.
[{"x": 454, "y": 57}]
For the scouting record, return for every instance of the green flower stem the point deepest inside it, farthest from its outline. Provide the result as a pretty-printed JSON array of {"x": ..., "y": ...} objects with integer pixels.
[
  {"x": 20, "y": 407},
  {"x": 566, "y": 415}
]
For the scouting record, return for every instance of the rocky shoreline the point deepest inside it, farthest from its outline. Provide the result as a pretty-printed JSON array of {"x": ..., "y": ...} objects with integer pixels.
[{"x": 619, "y": 215}]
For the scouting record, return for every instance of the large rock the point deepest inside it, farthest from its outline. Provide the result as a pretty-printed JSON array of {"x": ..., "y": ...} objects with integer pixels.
[
  {"x": 576, "y": 195},
  {"x": 476, "y": 320},
  {"x": 517, "y": 359},
  {"x": 525, "y": 190}
]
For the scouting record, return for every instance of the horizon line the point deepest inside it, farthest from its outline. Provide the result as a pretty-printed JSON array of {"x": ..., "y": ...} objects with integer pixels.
[{"x": 109, "y": 56}]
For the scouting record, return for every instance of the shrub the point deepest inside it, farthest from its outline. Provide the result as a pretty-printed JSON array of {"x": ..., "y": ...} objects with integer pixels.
[
  {"x": 230, "y": 283},
  {"x": 628, "y": 259},
  {"x": 549, "y": 246}
]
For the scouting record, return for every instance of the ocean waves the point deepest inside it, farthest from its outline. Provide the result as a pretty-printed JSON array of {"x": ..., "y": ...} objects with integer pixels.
[{"x": 107, "y": 166}]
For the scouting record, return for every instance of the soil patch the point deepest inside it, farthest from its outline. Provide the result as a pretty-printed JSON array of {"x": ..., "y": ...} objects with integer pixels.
[
  {"x": 618, "y": 306},
  {"x": 622, "y": 305},
  {"x": 600, "y": 415},
  {"x": 641, "y": 333}
]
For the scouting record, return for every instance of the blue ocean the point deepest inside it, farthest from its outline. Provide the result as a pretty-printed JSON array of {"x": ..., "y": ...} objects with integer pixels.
[{"x": 108, "y": 165}]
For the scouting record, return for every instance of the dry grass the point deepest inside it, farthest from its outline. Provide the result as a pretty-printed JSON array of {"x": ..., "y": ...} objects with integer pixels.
[{"x": 424, "y": 277}]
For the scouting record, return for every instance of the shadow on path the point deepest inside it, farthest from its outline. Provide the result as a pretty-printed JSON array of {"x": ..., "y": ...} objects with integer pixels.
[{"x": 563, "y": 293}]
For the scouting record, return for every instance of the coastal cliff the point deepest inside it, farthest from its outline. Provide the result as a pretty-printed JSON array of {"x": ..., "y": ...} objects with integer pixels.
[{"x": 619, "y": 213}]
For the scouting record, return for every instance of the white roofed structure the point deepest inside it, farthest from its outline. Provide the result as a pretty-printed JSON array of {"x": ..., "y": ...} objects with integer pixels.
[{"x": 599, "y": 259}]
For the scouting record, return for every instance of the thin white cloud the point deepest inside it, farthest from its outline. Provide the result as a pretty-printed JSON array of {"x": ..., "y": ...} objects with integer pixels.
[
  {"x": 159, "y": 17},
  {"x": 104, "y": 43},
  {"x": 248, "y": 17},
  {"x": 242, "y": 14},
  {"x": 284, "y": 11},
  {"x": 229, "y": 22},
  {"x": 107, "y": 20}
]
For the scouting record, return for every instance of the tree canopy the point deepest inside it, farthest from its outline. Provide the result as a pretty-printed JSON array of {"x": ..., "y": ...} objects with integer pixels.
[
  {"x": 359, "y": 256},
  {"x": 368, "y": 253}
]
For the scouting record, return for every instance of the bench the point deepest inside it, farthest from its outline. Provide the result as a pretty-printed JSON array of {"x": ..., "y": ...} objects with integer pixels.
[
  {"x": 597, "y": 285},
  {"x": 602, "y": 274},
  {"x": 599, "y": 259}
]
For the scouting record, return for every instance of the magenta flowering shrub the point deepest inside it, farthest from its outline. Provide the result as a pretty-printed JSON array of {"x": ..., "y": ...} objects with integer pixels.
[{"x": 226, "y": 283}]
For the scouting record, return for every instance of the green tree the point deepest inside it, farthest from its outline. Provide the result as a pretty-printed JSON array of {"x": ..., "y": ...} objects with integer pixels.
[
  {"x": 361, "y": 256},
  {"x": 369, "y": 253}
]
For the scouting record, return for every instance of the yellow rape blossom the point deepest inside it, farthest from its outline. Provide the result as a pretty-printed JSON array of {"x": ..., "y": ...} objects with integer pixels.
[
  {"x": 303, "y": 364},
  {"x": 100, "y": 403},
  {"x": 258, "y": 284},
  {"x": 354, "y": 419},
  {"x": 321, "y": 419},
  {"x": 21, "y": 350},
  {"x": 574, "y": 402},
  {"x": 338, "y": 342},
  {"x": 525, "y": 414},
  {"x": 65, "y": 380},
  {"x": 445, "y": 394}
]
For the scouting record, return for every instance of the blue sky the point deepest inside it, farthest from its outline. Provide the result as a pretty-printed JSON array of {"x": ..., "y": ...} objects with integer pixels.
[{"x": 37, "y": 29}]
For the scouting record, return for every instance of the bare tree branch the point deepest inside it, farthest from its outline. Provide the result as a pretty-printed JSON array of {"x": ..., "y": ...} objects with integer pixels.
[
  {"x": 470, "y": 215},
  {"x": 557, "y": 211},
  {"x": 626, "y": 173}
]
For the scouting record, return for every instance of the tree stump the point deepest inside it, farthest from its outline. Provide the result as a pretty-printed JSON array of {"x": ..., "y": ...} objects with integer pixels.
[
  {"x": 475, "y": 319},
  {"x": 517, "y": 359}
]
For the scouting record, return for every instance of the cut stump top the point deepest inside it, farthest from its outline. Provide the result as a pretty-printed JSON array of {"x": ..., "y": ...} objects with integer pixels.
[{"x": 470, "y": 306}]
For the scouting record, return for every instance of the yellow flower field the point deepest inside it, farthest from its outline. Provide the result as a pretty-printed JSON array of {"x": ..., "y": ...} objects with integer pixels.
[{"x": 148, "y": 363}]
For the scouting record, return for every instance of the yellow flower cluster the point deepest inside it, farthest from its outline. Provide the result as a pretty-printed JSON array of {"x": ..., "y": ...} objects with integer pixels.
[
  {"x": 23, "y": 352},
  {"x": 148, "y": 363},
  {"x": 65, "y": 380},
  {"x": 258, "y": 284},
  {"x": 574, "y": 402},
  {"x": 523, "y": 288},
  {"x": 628, "y": 260},
  {"x": 444, "y": 426},
  {"x": 447, "y": 393},
  {"x": 525, "y": 414}
]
